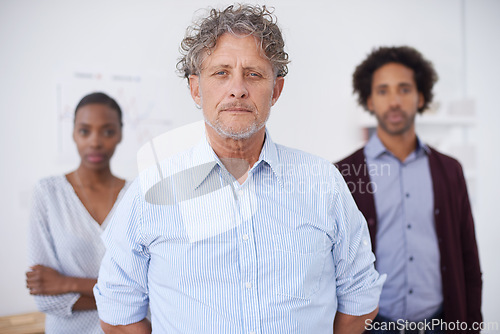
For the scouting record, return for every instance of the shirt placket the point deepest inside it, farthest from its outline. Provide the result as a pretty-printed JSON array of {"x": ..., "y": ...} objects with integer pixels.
[
  {"x": 246, "y": 204},
  {"x": 406, "y": 195}
]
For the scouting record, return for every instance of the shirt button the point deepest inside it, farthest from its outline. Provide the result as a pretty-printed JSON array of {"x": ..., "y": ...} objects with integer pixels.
[
  {"x": 245, "y": 237},
  {"x": 411, "y": 291},
  {"x": 407, "y": 195},
  {"x": 409, "y": 226},
  {"x": 248, "y": 285},
  {"x": 411, "y": 258}
]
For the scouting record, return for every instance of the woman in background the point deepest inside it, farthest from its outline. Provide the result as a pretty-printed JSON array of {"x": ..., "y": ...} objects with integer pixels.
[{"x": 68, "y": 216}]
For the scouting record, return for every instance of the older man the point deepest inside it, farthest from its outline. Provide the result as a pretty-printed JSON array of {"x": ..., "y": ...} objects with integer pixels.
[{"x": 237, "y": 234}]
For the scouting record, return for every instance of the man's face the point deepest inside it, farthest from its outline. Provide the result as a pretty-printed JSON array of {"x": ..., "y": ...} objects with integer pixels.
[
  {"x": 394, "y": 99},
  {"x": 236, "y": 87}
]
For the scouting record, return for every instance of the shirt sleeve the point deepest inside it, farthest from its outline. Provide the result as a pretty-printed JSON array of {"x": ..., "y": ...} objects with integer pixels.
[
  {"x": 121, "y": 291},
  {"x": 42, "y": 251},
  {"x": 358, "y": 284}
]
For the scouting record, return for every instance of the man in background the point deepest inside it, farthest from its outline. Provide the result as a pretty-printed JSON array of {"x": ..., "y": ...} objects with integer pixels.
[
  {"x": 240, "y": 235},
  {"x": 414, "y": 199}
]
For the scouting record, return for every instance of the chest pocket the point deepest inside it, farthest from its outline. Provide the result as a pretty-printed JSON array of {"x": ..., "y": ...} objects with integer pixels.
[{"x": 301, "y": 252}]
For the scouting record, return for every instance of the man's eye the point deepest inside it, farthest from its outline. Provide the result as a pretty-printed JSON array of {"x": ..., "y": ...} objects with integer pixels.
[
  {"x": 253, "y": 74},
  {"x": 83, "y": 132},
  {"x": 220, "y": 73},
  {"x": 381, "y": 92}
]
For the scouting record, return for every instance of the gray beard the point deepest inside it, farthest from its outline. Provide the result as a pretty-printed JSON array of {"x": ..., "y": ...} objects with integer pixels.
[{"x": 236, "y": 135}]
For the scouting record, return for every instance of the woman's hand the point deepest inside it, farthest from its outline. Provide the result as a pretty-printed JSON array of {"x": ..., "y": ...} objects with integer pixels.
[{"x": 42, "y": 280}]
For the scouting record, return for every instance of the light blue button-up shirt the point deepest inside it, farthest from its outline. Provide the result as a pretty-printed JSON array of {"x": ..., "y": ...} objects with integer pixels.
[
  {"x": 407, "y": 248},
  {"x": 280, "y": 253}
]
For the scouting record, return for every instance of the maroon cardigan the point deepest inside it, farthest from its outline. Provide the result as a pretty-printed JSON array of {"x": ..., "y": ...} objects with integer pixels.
[{"x": 460, "y": 271}]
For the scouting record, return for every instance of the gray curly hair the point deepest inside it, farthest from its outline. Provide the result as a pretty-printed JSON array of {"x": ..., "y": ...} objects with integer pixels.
[{"x": 238, "y": 20}]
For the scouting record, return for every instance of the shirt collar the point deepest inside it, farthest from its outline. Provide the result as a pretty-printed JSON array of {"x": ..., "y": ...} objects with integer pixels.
[
  {"x": 374, "y": 148},
  {"x": 269, "y": 155},
  {"x": 421, "y": 146},
  {"x": 205, "y": 160}
]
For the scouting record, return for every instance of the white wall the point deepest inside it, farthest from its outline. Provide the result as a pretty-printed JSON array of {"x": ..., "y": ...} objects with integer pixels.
[
  {"x": 325, "y": 40},
  {"x": 483, "y": 53}
]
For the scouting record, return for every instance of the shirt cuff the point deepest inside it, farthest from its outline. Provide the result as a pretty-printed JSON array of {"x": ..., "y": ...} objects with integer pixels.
[
  {"x": 114, "y": 312},
  {"x": 359, "y": 303}
]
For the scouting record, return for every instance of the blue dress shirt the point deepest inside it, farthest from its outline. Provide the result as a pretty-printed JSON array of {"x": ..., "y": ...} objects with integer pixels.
[
  {"x": 407, "y": 248},
  {"x": 280, "y": 253}
]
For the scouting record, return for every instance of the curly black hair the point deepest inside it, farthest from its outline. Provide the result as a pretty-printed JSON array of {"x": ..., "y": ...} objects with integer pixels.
[{"x": 424, "y": 74}]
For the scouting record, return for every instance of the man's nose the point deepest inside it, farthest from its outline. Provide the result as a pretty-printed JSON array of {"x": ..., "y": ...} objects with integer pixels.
[
  {"x": 238, "y": 87},
  {"x": 395, "y": 100}
]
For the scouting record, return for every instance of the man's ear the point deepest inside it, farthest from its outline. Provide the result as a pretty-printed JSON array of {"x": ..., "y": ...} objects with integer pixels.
[
  {"x": 421, "y": 100},
  {"x": 369, "y": 104},
  {"x": 194, "y": 87},
  {"x": 277, "y": 89}
]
